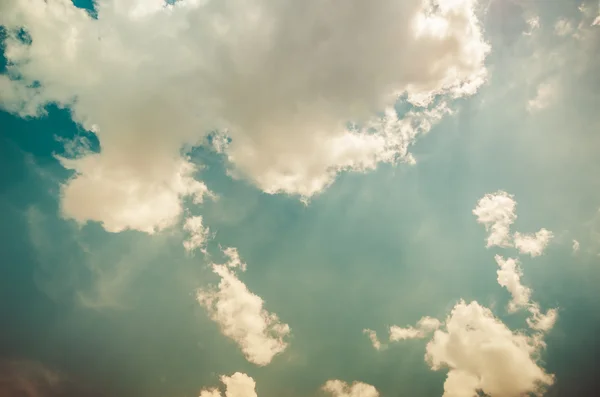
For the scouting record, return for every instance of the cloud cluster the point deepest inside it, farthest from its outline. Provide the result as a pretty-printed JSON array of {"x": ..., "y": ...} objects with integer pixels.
[
  {"x": 338, "y": 388},
  {"x": 497, "y": 212},
  {"x": 484, "y": 354},
  {"x": 236, "y": 385},
  {"x": 241, "y": 316},
  {"x": 281, "y": 79}
]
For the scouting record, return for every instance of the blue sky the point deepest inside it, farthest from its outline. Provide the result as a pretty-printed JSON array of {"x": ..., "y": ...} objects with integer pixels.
[{"x": 457, "y": 220}]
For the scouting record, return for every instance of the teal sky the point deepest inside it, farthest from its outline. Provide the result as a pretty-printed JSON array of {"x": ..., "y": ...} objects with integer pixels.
[{"x": 87, "y": 311}]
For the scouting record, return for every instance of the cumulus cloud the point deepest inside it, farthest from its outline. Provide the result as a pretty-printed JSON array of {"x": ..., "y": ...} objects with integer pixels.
[
  {"x": 338, "y": 388},
  {"x": 236, "y": 385},
  {"x": 281, "y": 79},
  {"x": 509, "y": 277},
  {"x": 483, "y": 354},
  {"x": 533, "y": 244},
  {"x": 241, "y": 316},
  {"x": 496, "y": 211},
  {"x": 198, "y": 234},
  {"x": 425, "y": 326}
]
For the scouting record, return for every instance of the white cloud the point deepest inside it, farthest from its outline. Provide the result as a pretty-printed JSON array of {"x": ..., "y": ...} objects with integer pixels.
[
  {"x": 373, "y": 338},
  {"x": 483, "y": 354},
  {"x": 576, "y": 246},
  {"x": 282, "y": 79},
  {"x": 236, "y": 385},
  {"x": 509, "y": 277},
  {"x": 534, "y": 24},
  {"x": 241, "y": 316},
  {"x": 496, "y": 211},
  {"x": 563, "y": 27},
  {"x": 198, "y": 234},
  {"x": 533, "y": 244},
  {"x": 338, "y": 388},
  {"x": 545, "y": 96},
  {"x": 539, "y": 321},
  {"x": 425, "y": 326}
]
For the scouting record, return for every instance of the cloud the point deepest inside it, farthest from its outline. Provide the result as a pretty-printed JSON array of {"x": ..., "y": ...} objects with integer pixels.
[
  {"x": 198, "y": 234},
  {"x": 338, "y": 388},
  {"x": 539, "y": 321},
  {"x": 576, "y": 246},
  {"x": 496, "y": 211},
  {"x": 241, "y": 316},
  {"x": 563, "y": 27},
  {"x": 374, "y": 340},
  {"x": 509, "y": 277},
  {"x": 236, "y": 385},
  {"x": 482, "y": 353},
  {"x": 545, "y": 96},
  {"x": 27, "y": 378},
  {"x": 281, "y": 79},
  {"x": 533, "y": 244},
  {"x": 425, "y": 326}
]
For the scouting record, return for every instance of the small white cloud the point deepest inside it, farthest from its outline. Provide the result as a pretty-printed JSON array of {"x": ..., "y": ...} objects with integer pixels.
[
  {"x": 198, "y": 234},
  {"x": 533, "y": 244},
  {"x": 236, "y": 385},
  {"x": 338, "y": 388},
  {"x": 483, "y": 354},
  {"x": 509, "y": 277},
  {"x": 425, "y": 326},
  {"x": 539, "y": 321},
  {"x": 241, "y": 316},
  {"x": 534, "y": 24},
  {"x": 373, "y": 338},
  {"x": 576, "y": 246},
  {"x": 496, "y": 211},
  {"x": 563, "y": 27},
  {"x": 546, "y": 95}
]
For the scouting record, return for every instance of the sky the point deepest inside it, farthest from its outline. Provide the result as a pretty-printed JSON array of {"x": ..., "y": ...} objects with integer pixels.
[{"x": 252, "y": 198}]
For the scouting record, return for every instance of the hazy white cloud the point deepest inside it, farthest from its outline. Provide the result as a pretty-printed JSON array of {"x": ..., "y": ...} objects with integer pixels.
[
  {"x": 509, "y": 277},
  {"x": 236, "y": 385},
  {"x": 281, "y": 79},
  {"x": 241, "y": 316},
  {"x": 198, "y": 234},
  {"x": 534, "y": 24},
  {"x": 576, "y": 246},
  {"x": 546, "y": 95},
  {"x": 338, "y": 388},
  {"x": 563, "y": 27},
  {"x": 533, "y": 244},
  {"x": 482, "y": 353},
  {"x": 496, "y": 211},
  {"x": 377, "y": 345},
  {"x": 425, "y": 326}
]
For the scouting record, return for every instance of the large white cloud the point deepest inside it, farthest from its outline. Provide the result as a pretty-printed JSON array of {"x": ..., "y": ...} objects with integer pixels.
[
  {"x": 496, "y": 211},
  {"x": 338, "y": 388},
  {"x": 281, "y": 78},
  {"x": 241, "y": 316},
  {"x": 236, "y": 385},
  {"x": 482, "y": 353}
]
